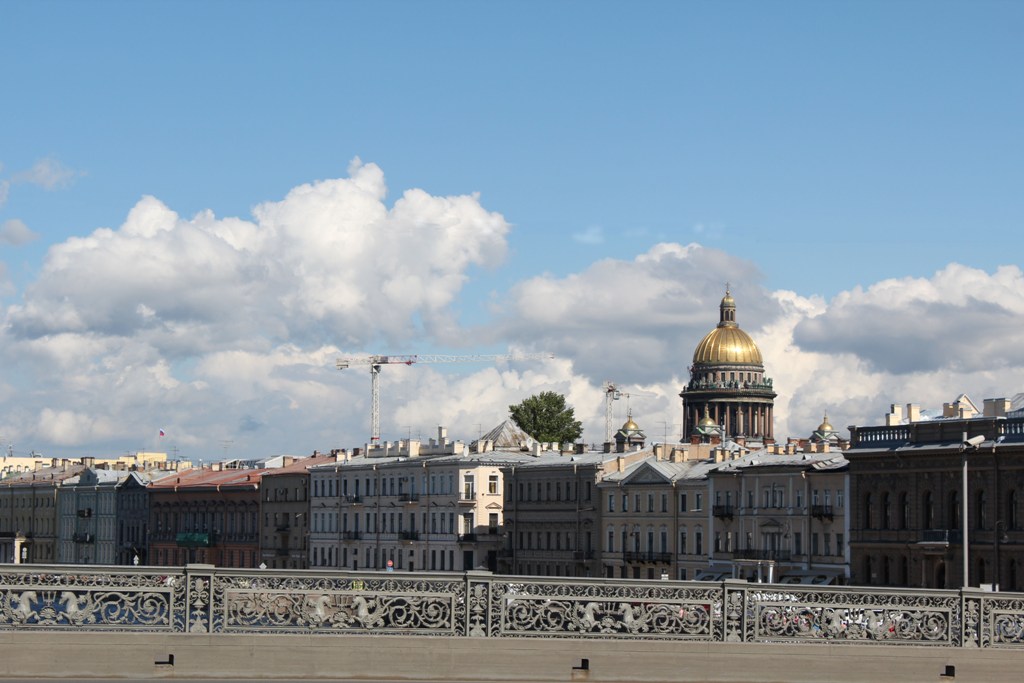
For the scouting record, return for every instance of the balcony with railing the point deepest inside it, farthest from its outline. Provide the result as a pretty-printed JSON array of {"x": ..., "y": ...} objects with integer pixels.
[
  {"x": 822, "y": 512},
  {"x": 722, "y": 511},
  {"x": 647, "y": 557},
  {"x": 351, "y": 535},
  {"x": 767, "y": 554},
  {"x": 408, "y": 535},
  {"x": 941, "y": 537}
]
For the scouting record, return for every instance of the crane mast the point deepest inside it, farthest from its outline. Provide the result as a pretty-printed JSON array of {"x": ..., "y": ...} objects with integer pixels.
[{"x": 376, "y": 361}]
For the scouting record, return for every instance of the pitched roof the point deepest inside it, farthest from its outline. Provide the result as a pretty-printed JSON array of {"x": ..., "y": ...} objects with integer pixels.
[{"x": 508, "y": 435}]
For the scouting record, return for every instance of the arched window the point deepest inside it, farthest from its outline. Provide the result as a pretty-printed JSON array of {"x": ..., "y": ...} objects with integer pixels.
[
  {"x": 953, "y": 511},
  {"x": 980, "y": 504},
  {"x": 904, "y": 510},
  {"x": 927, "y": 511},
  {"x": 886, "y": 517},
  {"x": 869, "y": 511},
  {"x": 1011, "y": 510}
]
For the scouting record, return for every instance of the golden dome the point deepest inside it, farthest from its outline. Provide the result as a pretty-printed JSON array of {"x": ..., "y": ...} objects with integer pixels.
[
  {"x": 825, "y": 427},
  {"x": 629, "y": 425},
  {"x": 706, "y": 421},
  {"x": 727, "y": 343}
]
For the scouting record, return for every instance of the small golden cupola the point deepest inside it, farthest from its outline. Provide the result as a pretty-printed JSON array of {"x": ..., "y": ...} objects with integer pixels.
[{"x": 629, "y": 437}]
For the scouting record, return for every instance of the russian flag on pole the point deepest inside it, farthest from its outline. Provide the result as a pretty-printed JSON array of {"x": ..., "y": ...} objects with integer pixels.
[{"x": 163, "y": 433}]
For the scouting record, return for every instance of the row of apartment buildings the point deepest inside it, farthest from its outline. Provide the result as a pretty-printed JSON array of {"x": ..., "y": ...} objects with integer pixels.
[{"x": 887, "y": 510}]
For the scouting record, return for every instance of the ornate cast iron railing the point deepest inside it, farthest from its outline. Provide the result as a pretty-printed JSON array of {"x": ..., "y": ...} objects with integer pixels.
[{"x": 206, "y": 599}]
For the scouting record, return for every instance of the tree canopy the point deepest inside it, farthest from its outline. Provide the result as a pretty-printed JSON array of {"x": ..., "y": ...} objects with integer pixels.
[{"x": 546, "y": 417}]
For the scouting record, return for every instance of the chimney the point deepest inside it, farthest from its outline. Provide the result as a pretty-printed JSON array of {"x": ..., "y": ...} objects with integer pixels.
[
  {"x": 581, "y": 448},
  {"x": 913, "y": 412},
  {"x": 607, "y": 446},
  {"x": 442, "y": 435},
  {"x": 537, "y": 448},
  {"x": 894, "y": 416},
  {"x": 996, "y": 407}
]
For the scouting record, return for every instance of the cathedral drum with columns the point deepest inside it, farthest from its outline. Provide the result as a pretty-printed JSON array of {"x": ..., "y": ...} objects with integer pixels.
[{"x": 728, "y": 395}]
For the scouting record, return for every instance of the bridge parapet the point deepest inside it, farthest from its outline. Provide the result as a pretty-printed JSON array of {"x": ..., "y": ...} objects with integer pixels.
[{"x": 201, "y": 599}]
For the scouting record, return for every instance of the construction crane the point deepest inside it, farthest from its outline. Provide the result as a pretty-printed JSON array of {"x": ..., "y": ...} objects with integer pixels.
[
  {"x": 612, "y": 394},
  {"x": 375, "y": 363}
]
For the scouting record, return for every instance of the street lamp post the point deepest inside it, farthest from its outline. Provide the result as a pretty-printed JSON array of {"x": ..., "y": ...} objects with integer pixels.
[
  {"x": 1000, "y": 531},
  {"x": 966, "y": 445}
]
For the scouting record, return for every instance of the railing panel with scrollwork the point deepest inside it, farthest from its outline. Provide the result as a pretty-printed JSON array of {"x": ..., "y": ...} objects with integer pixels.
[{"x": 206, "y": 599}]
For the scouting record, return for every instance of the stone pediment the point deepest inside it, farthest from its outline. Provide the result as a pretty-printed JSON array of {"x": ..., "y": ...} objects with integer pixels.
[{"x": 646, "y": 474}]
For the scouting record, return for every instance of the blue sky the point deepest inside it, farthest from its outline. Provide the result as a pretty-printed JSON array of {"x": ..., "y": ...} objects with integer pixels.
[{"x": 864, "y": 156}]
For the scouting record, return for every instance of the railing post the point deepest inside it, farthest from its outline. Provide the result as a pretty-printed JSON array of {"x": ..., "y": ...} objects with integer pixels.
[
  {"x": 734, "y": 610},
  {"x": 971, "y": 605},
  {"x": 478, "y": 604},
  {"x": 199, "y": 598}
]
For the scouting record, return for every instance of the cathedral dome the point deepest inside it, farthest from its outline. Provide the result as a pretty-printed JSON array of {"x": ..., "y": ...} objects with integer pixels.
[{"x": 727, "y": 343}]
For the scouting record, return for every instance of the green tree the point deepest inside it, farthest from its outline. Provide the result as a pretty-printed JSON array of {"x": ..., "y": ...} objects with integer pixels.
[{"x": 546, "y": 417}]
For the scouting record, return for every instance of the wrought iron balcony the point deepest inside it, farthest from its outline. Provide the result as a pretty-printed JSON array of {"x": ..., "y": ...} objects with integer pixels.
[
  {"x": 351, "y": 535},
  {"x": 83, "y": 538},
  {"x": 582, "y": 555},
  {"x": 821, "y": 512},
  {"x": 942, "y": 536},
  {"x": 722, "y": 511},
  {"x": 409, "y": 535},
  {"x": 409, "y": 498},
  {"x": 776, "y": 554},
  {"x": 467, "y": 538},
  {"x": 647, "y": 556}
]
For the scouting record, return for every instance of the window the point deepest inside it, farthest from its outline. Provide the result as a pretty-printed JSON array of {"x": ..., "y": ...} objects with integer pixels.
[
  {"x": 699, "y": 497},
  {"x": 814, "y": 497},
  {"x": 840, "y": 550},
  {"x": 953, "y": 518},
  {"x": 611, "y": 502},
  {"x": 650, "y": 502},
  {"x": 682, "y": 541},
  {"x": 611, "y": 539},
  {"x": 682, "y": 502},
  {"x": 492, "y": 484},
  {"x": 1011, "y": 511},
  {"x": 664, "y": 502},
  {"x": 886, "y": 511},
  {"x": 814, "y": 544},
  {"x": 698, "y": 541},
  {"x": 798, "y": 543},
  {"x": 839, "y": 498},
  {"x": 980, "y": 507},
  {"x": 928, "y": 510},
  {"x": 799, "y": 498},
  {"x": 625, "y": 503}
]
